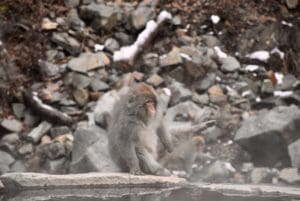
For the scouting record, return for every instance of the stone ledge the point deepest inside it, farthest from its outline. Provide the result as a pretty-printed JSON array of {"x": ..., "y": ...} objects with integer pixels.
[{"x": 12, "y": 181}]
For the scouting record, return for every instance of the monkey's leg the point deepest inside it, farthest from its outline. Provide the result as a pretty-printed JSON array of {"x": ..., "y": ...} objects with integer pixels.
[
  {"x": 129, "y": 155},
  {"x": 165, "y": 138},
  {"x": 149, "y": 164}
]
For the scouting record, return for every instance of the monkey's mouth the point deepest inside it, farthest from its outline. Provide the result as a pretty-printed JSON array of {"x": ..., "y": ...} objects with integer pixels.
[{"x": 150, "y": 107}]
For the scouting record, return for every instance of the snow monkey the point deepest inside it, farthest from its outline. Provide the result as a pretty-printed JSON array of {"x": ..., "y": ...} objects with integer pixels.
[{"x": 133, "y": 133}]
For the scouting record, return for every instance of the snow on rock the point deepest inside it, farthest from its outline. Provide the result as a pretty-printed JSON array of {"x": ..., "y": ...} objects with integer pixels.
[
  {"x": 251, "y": 68},
  {"x": 215, "y": 19},
  {"x": 219, "y": 52},
  {"x": 261, "y": 55}
]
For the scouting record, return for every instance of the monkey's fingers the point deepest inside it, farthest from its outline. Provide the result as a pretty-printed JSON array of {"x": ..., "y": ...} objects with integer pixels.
[{"x": 136, "y": 172}]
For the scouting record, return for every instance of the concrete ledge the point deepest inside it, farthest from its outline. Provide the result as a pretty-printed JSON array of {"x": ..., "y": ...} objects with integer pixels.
[
  {"x": 13, "y": 181},
  {"x": 251, "y": 189}
]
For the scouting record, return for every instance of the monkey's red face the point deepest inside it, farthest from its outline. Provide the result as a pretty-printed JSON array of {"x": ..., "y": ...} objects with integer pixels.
[{"x": 151, "y": 107}]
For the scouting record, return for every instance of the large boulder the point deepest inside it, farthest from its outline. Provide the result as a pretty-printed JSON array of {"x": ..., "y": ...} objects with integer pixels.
[{"x": 267, "y": 135}]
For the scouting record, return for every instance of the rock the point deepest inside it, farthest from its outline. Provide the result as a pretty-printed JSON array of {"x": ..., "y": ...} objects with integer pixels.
[
  {"x": 124, "y": 38},
  {"x": 96, "y": 180},
  {"x": 48, "y": 69},
  {"x": 230, "y": 64},
  {"x": 267, "y": 87},
  {"x": 79, "y": 80},
  {"x": 19, "y": 110},
  {"x": 141, "y": 16},
  {"x": 216, "y": 95},
  {"x": 290, "y": 175},
  {"x": 210, "y": 41},
  {"x": 99, "y": 85},
  {"x": 261, "y": 175},
  {"x": 26, "y": 149},
  {"x": 37, "y": 133},
  {"x": 171, "y": 59},
  {"x": 219, "y": 172},
  {"x": 288, "y": 82},
  {"x": 90, "y": 152},
  {"x": 12, "y": 125},
  {"x": 111, "y": 44},
  {"x": 88, "y": 61},
  {"x": 67, "y": 42},
  {"x": 247, "y": 167},
  {"x": 30, "y": 119},
  {"x": 47, "y": 24},
  {"x": 6, "y": 161},
  {"x": 292, "y": 4},
  {"x": 294, "y": 153},
  {"x": 81, "y": 96},
  {"x": 72, "y": 3},
  {"x": 177, "y": 74},
  {"x": 179, "y": 93},
  {"x": 59, "y": 130},
  {"x": 74, "y": 21},
  {"x": 12, "y": 138},
  {"x": 151, "y": 60},
  {"x": 208, "y": 81},
  {"x": 57, "y": 166},
  {"x": 155, "y": 80},
  {"x": 201, "y": 99},
  {"x": 212, "y": 134},
  {"x": 270, "y": 132},
  {"x": 101, "y": 16}
]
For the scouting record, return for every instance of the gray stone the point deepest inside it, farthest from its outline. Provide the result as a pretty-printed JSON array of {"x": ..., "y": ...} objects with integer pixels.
[
  {"x": 99, "y": 85},
  {"x": 12, "y": 125},
  {"x": 90, "y": 152},
  {"x": 179, "y": 93},
  {"x": 37, "y": 133},
  {"x": 201, "y": 99},
  {"x": 26, "y": 149},
  {"x": 292, "y": 4},
  {"x": 212, "y": 134},
  {"x": 266, "y": 135},
  {"x": 230, "y": 64},
  {"x": 171, "y": 59},
  {"x": 288, "y": 82},
  {"x": 57, "y": 166},
  {"x": 208, "y": 81},
  {"x": 177, "y": 74},
  {"x": 176, "y": 20},
  {"x": 294, "y": 153},
  {"x": 290, "y": 175},
  {"x": 72, "y": 3},
  {"x": 141, "y": 16},
  {"x": 261, "y": 175},
  {"x": 111, "y": 44},
  {"x": 267, "y": 87},
  {"x": 81, "y": 96},
  {"x": 48, "y": 69},
  {"x": 59, "y": 130},
  {"x": 124, "y": 38},
  {"x": 96, "y": 180},
  {"x": 151, "y": 60},
  {"x": 19, "y": 109},
  {"x": 102, "y": 16},
  {"x": 67, "y": 42},
  {"x": 5, "y": 162},
  {"x": 88, "y": 61},
  {"x": 74, "y": 21},
  {"x": 79, "y": 80},
  {"x": 216, "y": 95},
  {"x": 12, "y": 138},
  {"x": 247, "y": 167},
  {"x": 210, "y": 41},
  {"x": 31, "y": 119}
]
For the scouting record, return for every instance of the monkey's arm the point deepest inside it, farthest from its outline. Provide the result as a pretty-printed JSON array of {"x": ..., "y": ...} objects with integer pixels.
[{"x": 165, "y": 137}]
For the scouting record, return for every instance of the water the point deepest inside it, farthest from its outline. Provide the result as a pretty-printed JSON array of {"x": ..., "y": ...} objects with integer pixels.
[{"x": 135, "y": 194}]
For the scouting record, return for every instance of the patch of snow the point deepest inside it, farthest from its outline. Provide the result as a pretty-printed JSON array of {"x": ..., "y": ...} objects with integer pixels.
[
  {"x": 219, "y": 52},
  {"x": 251, "y": 68},
  {"x": 215, "y": 19},
  {"x": 279, "y": 77},
  {"x": 276, "y": 50},
  {"x": 287, "y": 23},
  {"x": 167, "y": 91},
  {"x": 125, "y": 53},
  {"x": 164, "y": 15},
  {"x": 246, "y": 93},
  {"x": 258, "y": 99},
  {"x": 145, "y": 34},
  {"x": 185, "y": 56},
  {"x": 283, "y": 93},
  {"x": 229, "y": 167},
  {"x": 261, "y": 55},
  {"x": 98, "y": 47}
]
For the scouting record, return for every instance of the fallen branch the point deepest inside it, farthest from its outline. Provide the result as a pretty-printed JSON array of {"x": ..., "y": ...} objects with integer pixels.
[
  {"x": 45, "y": 111},
  {"x": 128, "y": 54},
  {"x": 192, "y": 129}
]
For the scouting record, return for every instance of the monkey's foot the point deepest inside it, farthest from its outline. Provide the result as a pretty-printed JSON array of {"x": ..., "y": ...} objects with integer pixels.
[{"x": 136, "y": 172}]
